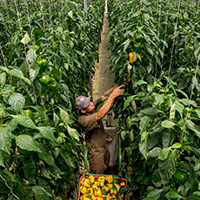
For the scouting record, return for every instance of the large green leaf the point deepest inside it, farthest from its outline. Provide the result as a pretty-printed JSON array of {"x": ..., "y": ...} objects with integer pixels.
[
  {"x": 27, "y": 142},
  {"x": 2, "y": 160},
  {"x": 73, "y": 133},
  {"x": 31, "y": 56},
  {"x": 155, "y": 194},
  {"x": 24, "y": 120},
  {"x": 40, "y": 193},
  {"x": 173, "y": 195},
  {"x": 64, "y": 116},
  {"x": 154, "y": 152},
  {"x": 167, "y": 124},
  {"x": 164, "y": 153},
  {"x": 190, "y": 125},
  {"x": 29, "y": 169},
  {"x": 143, "y": 147},
  {"x": 47, "y": 132},
  {"x": 144, "y": 122},
  {"x": 5, "y": 140},
  {"x": 149, "y": 111},
  {"x": 18, "y": 73},
  {"x": 46, "y": 154},
  {"x": 2, "y": 78},
  {"x": 17, "y": 101}
]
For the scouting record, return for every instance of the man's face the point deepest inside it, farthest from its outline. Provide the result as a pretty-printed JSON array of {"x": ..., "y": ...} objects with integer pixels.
[{"x": 89, "y": 109}]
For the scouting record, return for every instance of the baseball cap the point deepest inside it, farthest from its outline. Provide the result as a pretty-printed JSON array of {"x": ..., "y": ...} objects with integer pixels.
[{"x": 82, "y": 102}]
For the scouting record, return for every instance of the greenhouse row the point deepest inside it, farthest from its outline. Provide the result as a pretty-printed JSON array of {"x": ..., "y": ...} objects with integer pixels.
[{"x": 99, "y": 100}]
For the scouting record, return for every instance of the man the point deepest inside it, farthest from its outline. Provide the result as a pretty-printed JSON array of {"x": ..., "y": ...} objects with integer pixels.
[{"x": 90, "y": 121}]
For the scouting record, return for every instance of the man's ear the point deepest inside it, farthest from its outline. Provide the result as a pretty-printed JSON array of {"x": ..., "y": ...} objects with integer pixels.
[{"x": 83, "y": 111}]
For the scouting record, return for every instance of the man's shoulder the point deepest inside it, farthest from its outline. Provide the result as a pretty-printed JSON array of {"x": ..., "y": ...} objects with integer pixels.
[{"x": 85, "y": 118}]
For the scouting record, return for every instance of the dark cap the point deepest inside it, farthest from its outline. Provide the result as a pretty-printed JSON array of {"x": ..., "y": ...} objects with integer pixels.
[{"x": 82, "y": 102}]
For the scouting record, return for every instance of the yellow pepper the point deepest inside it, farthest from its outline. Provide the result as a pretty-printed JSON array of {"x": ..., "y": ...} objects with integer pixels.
[
  {"x": 91, "y": 178},
  {"x": 109, "y": 179},
  {"x": 83, "y": 190},
  {"x": 122, "y": 184},
  {"x": 113, "y": 190},
  {"x": 109, "y": 185},
  {"x": 101, "y": 178},
  {"x": 117, "y": 186},
  {"x": 131, "y": 59},
  {"x": 87, "y": 197},
  {"x": 97, "y": 192},
  {"x": 93, "y": 197},
  {"x": 105, "y": 189},
  {"x": 90, "y": 191},
  {"x": 101, "y": 183},
  {"x": 99, "y": 198},
  {"x": 87, "y": 183}
]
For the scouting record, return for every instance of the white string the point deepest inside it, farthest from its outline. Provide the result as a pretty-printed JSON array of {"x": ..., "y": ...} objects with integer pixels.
[{"x": 9, "y": 187}]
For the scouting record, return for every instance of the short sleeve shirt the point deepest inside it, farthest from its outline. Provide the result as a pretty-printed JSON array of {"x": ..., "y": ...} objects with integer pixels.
[{"x": 94, "y": 130}]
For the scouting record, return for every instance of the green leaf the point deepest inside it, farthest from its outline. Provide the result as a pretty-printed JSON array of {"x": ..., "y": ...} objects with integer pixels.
[
  {"x": 17, "y": 101},
  {"x": 127, "y": 102},
  {"x": 126, "y": 44},
  {"x": 55, "y": 119},
  {"x": 2, "y": 79},
  {"x": 46, "y": 154},
  {"x": 70, "y": 14},
  {"x": 5, "y": 140},
  {"x": 40, "y": 193},
  {"x": 154, "y": 152},
  {"x": 25, "y": 39},
  {"x": 143, "y": 144},
  {"x": 27, "y": 142},
  {"x": 190, "y": 125},
  {"x": 173, "y": 194},
  {"x": 24, "y": 120},
  {"x": 31, "y": 56},
  {"x": 29, "y": 169},
  {"x": 155, "y": 194},
  {"x": 167, "y": 124},
  {"x": 73, "y": 133},
  {"x": 176, "y": 146},
  {"x": 144, "y": 122},
  {"x": 179, "y": 107},
  {"x": 197, "y": 193},
  {"x": 149, "y": 111},
  {"x": 47, "y": 133},
  {"x": 18, "y": 73},
  {"x": 2, "y": 160},
  {"x": 64, "y": 116},
  {"x": 172, "y": 112},
  {"x": 139, "y": 83},
  {"x": 164, "y": 153},
  {"x": 67, "y": 158}
]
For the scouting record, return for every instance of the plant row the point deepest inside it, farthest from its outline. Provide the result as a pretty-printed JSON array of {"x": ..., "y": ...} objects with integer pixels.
[
  {"x": 156, "y": 53},
  {"x": 47, "y": 56}
]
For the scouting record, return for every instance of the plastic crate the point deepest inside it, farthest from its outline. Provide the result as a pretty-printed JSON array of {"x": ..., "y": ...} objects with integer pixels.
[{"x": 96, "y": 177}]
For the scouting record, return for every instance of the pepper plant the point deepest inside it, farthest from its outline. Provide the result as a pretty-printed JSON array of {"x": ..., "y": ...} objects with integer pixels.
[
  {"x": 47, "y": 56},
  {"x": 156, "y": 53}
]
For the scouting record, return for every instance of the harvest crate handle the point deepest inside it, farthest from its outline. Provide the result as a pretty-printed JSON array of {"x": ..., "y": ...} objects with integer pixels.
[
  {"x": 86, "y": 154},
  {"x": 120, "y": 154}
]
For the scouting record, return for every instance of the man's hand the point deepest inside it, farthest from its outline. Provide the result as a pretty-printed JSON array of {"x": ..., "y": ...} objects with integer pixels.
[{"x": 118, "y": 91}]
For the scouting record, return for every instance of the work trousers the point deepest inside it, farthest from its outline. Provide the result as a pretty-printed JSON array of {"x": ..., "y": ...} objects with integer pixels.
[{"x": 98, "y": 159}]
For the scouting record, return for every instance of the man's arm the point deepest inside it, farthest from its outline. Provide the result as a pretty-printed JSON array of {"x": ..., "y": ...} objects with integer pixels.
[
  {"x": 107, "y": 93},
  {"x": 106, "y": 107}
]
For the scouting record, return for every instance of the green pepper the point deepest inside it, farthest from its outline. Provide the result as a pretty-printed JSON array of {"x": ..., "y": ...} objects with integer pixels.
[
  {"x": 180, "y": 176},
  {"x": 45, "y": 79},
  {"x": 42, "y": 62}
]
